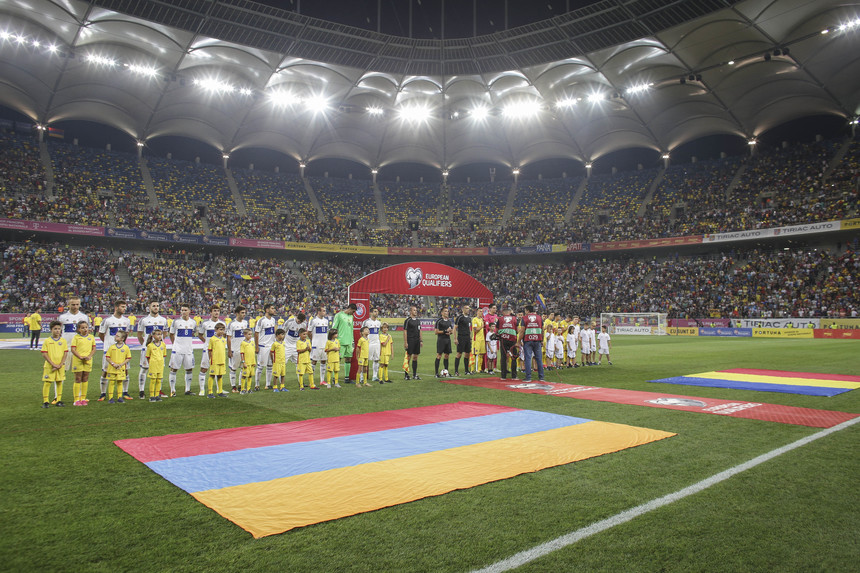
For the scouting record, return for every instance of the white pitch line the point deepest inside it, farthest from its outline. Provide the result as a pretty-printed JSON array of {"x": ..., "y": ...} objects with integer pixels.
[{"x": 560, "y": 542}]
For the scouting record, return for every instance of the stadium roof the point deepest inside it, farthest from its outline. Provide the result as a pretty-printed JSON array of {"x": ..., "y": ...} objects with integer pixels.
[{"x": 613, "y": 75}]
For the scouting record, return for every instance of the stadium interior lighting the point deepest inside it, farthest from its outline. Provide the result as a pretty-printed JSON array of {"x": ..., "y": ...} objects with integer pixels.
[
  {"x": 731, "y": 62},
  {"x": 565, "y": 103},
  {"x": 752, "y": 141},
  {"x": 225, "y": 156},
  {"x": 101, "y": 60},
  {"x": 283, "y": 98},
  {"x": 140, "y": 144},
  {"x": 52, "y": 48},
  {"x": 35, "y": 43},
  {"x": 147, "y": 71},
  {"x": 850, "y": 25},
  {"x": 516, "y": 171},
  {"x": 374, "y": 171},
  {"x": 214, "y": 86},
  {"x": 522, "y": 110},
  {"x": 445, "y": 173},
  {"x": 21, "y": 39},
  {"x": 414, "y": 113},
  {"x": 316, "y": 104},
  {"x": 665, "y": 156},
  {"x": 374, "y": 110},
  {"x": 246, "y": 91},
  {"x": 4, "y": 35},
  {"x": 479, "y": 113},
  {"x": 639, "y": 88},
  {"x": 588, "y": 164},
  {"x": 595, "y": 97}
]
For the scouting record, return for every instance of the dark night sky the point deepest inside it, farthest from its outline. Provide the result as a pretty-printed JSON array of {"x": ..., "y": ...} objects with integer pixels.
[{"x": 427, "y": 14}]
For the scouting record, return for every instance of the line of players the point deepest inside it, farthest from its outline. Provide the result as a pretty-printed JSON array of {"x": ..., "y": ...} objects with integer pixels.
[
  {"x": 477, "y": 339},
  {"x": 233, "y": 349}
]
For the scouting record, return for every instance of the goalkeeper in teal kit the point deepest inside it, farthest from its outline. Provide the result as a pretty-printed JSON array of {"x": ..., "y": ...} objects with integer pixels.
[{"x": 343, "y": 323}]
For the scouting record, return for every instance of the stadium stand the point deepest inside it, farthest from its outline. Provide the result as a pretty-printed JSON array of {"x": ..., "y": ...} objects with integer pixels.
[
  {"x": 172, "y": 277},
  {"x": 21, "y": 170},
  {"x": 345, "y": 199},
  {"x": 483, "y": 202},
  {"x": 45, "y": 275},
  {"x": 182, "y": 184},
  {"x": 545, "y": 201},
  {"x": 405, "y": 200},
  {"x": 268, "y": 194}
]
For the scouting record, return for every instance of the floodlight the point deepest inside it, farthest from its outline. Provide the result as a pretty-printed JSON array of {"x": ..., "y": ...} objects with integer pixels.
[
  {"x": 374, "y": 110},
  {"x": 522, "y": 109},
  {"x": 246, "y": 91},
  {"x": 595, "y": 97},
  {"x": 147, "y": 71},
  {"x": 752, "y": 141},
  {"x": 731, "y": 62},
  {"x": 35, "y": 43},
  {"x": 225, "y": 156},
  {"x": 4, "y": 35},
  {"x": 52, "y": 48},
  {"x": 414, "y": 113},
  {"x": 479, "y": 113},
  {"x": 516, "y": 171},
  {"x": 565, "y": 103},
  {"x": 20, "y": 39},
  {"x": 101, "y": 60},
  {"x": 316, "y": 104},
  {"x": 214, "y": 86},
  {"x": 140, "y": 144},
  {"x": 665, "y": 156},
  {"x": 638, "y": 88},
  {"x": 849, "y": 25}
]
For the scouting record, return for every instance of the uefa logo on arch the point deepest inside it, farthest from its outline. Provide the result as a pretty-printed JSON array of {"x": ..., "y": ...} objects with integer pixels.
[
  {"x": 360, "y": 310},
  {"x": 414, "y": 276}
]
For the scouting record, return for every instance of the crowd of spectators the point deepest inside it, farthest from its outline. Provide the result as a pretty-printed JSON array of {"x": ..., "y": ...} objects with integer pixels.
[
  {"x": 482, "y": 202},
  {"x": 411, "y": 200},
  {"x": 173, "y": 278},
  {"x": 545, "y": 201},
  {"x": 44, "y": 275},
  {"x": 86, "y": 210},
  {"x": 155, "y": 219},
  {"x": 268, "y": 194},
  {"x": 21, "y": 170},
  {"x": 87, "y": 171},
  {"x": 179, "y": 185},
  {"x": 345, "y": 199}
]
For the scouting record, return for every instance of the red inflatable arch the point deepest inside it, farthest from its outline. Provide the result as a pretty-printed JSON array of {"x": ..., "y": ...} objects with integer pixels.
[{"x": 419, "y": 278}]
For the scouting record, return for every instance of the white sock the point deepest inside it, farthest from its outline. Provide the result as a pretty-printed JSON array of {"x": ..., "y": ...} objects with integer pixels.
[
  {"x": 188, "y": 378},
  {"x": 268, "y": 376},
  {"x": 141, "y": 379},
  {"x": 125, "y": 386},
  {"x": 257, "y": 376},
  {"x": 375, "y": 369},
  {"x": 172, "y": 380},
  {"x": 232, "y": 378},
  {"x": 202, "y": 379},
  {"x": 322, "y": 372},
  {"x": 103, "y": 384}
]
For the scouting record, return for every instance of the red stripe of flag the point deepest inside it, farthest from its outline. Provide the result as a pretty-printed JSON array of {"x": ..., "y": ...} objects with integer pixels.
[{"x": 232, "y": 439}]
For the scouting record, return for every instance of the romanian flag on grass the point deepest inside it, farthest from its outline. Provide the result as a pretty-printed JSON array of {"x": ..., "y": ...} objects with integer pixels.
[
  {"x": 808, "y": 383},
  {"x": 269, "y": 479}
]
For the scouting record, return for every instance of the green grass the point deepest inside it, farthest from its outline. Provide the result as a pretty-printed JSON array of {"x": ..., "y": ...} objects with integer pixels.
[{"x": 72, "y": 501}]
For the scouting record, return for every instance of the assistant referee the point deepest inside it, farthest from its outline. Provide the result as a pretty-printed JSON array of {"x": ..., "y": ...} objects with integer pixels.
[
  {"x": 444, "y": 328},
  {"x": 412, "y": 341}
]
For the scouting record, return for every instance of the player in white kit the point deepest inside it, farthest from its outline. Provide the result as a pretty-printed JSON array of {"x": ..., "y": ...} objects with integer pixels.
[
  {"x": 375, "y": 326},
  {"x": 70, "y": 320},
  {"x": 205, "y": 331},
  {"x": 292, "y": 327},
  {"x": 318, "y": 327},
  {"x": 182, "y": 352},
  {"x": 145, "y": 326},
  {"x": 264, "y": 336},
  {"x": 107, "y": 331},
  {"x": 235, "y": 336}
]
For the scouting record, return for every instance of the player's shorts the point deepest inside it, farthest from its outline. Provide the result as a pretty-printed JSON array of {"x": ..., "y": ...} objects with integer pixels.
[
  {"x": 346, "y": 351},
  {"x": 464, "y": 345},
  {"x": 217, "y": 369},
  {"x": 264, "y": 357},
  {"x": 117, "y": 377},
  {"x": 144, "y": 361},
  {"x": 51, "y": 375},
  {"x": 362, "y": 362},
  {"x": 373, "y": 351},
  {"x": 204, "y": 360},
  {"x": 235, "y": 361},
  {"x": 479, "y": 346},
  {"x": 443, "y": 345},
  {"x": 604, "y": 351},
  {"x": 571, "y": 352},
  {"x": 305, "y": 368},
  {"x": 550, "y": 353},
  {"x": 248, "y": 371},
  {"x": 413, "y": 346},
  {"x": 79, "y": 365},
  {"x": 292, "y": 355},
  {"x": 318, "y": 354},
  {"x": 384, "y": 359},
  {"x": 181, "y": 361},
  {"x": 491, "y": 355},
  {"x": 333, "y": 366},
  {"x": 279, "y": 370}
]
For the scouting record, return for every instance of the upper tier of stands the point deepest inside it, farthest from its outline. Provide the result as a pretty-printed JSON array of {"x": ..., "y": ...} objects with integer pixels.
[{"x": 777, "y": 187}]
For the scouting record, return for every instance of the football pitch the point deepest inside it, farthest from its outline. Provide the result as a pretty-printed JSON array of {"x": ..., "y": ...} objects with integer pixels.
[{"x": 73, "y": 501}]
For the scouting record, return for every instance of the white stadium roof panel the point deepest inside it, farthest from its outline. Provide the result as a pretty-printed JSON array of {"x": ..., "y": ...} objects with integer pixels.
[{"x": 613, "y": 75}]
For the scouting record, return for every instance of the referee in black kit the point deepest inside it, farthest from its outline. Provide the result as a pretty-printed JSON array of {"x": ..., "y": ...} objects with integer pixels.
[
  {"x": 444, "y": 328},
  {"x": 412, "y": 341},
  {"x": 464, "y": 340}
]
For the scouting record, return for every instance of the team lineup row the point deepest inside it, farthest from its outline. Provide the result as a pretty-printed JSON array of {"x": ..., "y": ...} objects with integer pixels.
[{"x": 233, "y": 348}]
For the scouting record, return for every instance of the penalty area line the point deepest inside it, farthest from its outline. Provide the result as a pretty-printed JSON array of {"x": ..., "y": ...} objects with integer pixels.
[{"x": 569, "y": 539}]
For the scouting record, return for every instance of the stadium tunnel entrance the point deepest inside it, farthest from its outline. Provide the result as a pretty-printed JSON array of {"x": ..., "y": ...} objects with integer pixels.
[{"x": 421, "y": 278}]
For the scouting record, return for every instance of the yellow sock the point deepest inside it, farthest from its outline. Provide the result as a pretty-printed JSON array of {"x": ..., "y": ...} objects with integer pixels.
[
  {"x": 46, "y": 392},
  {"x": 328, "y": 376},
  {"x": 152, "y": 387},
  {"x": 111, "y": 387},
  {"x": 60, "y": 391},
  {"x": 386, "y": 372},
  {"x": 209, "y": 381},
  {"x": 301, "y": 380},
  {"x": 76, "y": 391},
  {"x": 84, "y": 386}
]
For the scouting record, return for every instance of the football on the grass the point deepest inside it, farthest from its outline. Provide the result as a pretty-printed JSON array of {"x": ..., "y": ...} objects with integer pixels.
[{"x": 444, "y": 373}]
